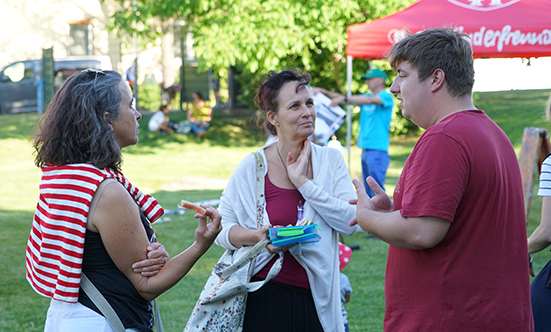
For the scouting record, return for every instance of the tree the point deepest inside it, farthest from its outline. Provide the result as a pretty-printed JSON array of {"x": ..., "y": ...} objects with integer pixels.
[
  {"x": 259, "y": 35},
  {"x": 256, "y": 36}
]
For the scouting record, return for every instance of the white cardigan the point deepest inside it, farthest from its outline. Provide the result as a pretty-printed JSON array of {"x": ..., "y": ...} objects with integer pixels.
[{"x": 327, "y": 197}]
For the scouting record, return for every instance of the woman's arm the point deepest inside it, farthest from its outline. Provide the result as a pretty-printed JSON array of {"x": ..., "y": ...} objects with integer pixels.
[
  {"x": 541, "y": 237},
  {"x": 117, "y": 219},
  {"x": 190, "y": 117},
  {"x": 209, "y": 115},
  {"x": 240, "y": 236}
]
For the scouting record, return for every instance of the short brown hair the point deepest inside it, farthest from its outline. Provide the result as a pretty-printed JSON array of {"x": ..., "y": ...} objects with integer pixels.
[
  {"x": 439, "y": 48},
  {"x": 267, "y": 96}
]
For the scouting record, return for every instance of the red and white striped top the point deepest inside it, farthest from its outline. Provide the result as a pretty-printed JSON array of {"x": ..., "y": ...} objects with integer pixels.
[{"x": 56, "y": 242}]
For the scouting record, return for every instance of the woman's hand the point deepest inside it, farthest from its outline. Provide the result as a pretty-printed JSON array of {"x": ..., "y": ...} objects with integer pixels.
[
  {"x": 206, "y": 230},
  {"x": 274, "y": 250},
  {"x": 298, "y": 170},
  {"x": 263, "y": 235},
  {"x": 157, "y": 257}
]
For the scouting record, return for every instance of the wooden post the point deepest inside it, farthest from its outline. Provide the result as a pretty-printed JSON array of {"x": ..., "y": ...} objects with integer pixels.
[{"x": 535, "y": 147}]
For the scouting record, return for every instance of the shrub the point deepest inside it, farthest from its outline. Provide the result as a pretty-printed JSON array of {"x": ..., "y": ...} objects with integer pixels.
[{"x": 149, "y": 96}]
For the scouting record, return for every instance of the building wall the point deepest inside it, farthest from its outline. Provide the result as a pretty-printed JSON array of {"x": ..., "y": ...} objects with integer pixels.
[{"x": 28, "y": 26}]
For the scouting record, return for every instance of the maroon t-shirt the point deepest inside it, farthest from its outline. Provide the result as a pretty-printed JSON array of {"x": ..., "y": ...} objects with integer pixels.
[
  {"x": 281, "y": 206},
  {"x": 464, "y": 170}
]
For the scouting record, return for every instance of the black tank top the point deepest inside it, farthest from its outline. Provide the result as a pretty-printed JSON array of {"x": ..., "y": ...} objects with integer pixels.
[{"x": 133, "y": 310}]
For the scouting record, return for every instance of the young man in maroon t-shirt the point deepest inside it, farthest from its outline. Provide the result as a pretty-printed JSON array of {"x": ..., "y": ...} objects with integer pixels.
[{"x": 458, "y": 257}]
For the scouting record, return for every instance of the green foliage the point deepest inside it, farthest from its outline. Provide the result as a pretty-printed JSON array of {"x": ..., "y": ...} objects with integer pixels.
[
  {"x": 149, "y": 96},
  {"x": 402, "y": 126},
  {"x": 256, "y": 36}
]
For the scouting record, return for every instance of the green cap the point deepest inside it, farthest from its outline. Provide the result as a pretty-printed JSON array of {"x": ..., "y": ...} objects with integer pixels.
[{"x": 375, "y": 72}]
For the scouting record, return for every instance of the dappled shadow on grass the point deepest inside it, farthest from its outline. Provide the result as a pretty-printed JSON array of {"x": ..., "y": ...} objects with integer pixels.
[
  {"x": 230, "y": 132},
  {"x": 237, "y": 132}
]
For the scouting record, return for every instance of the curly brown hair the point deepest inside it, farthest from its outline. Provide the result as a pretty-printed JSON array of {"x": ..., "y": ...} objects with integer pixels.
[{"x": 75, "y": 127}]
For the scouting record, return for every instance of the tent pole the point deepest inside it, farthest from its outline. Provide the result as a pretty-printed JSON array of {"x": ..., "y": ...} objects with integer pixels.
[{"x": 349, "y": 60}]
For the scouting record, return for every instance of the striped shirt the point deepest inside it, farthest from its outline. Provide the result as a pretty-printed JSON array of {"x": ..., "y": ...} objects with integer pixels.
[
  {"x": 56, "y": 241},
  {"x": 545, "y": 178}
]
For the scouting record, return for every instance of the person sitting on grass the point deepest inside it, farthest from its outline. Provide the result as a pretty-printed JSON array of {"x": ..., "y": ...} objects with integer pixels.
[
  {"x": 161, "y": 123},
  {"x": 199, "y": 115}
]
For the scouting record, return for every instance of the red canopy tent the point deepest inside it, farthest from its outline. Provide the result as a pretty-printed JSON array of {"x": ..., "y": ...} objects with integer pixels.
[{"x": 498, "y": 29}]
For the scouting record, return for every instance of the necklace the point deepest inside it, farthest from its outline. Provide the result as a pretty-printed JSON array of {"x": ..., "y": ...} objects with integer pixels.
[{"x": 300, "y": 206}]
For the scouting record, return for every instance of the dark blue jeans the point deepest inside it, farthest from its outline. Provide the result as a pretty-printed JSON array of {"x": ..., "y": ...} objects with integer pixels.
[
  {"x": 540, "y": 295},
  {"x": 374, "y": 164},
  {"x": 197, "y": 128}
]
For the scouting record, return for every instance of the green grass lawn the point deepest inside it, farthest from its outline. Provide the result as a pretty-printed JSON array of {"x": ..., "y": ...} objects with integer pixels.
[{"x": 175, "y": 167}]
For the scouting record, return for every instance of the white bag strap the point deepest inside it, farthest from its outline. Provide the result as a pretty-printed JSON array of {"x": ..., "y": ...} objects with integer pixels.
[
  {"x": 158, "y": 322},
  {"x": 243, "y": 260},
  {"x": 102, "y": 304},
  {"x": 260, "y": 199},
  {"x": 261, "y": 204},
  {"x": 274, "y": 270},
  {"x": 254, "y": 251},
  {"x": 97, "y": 298}
]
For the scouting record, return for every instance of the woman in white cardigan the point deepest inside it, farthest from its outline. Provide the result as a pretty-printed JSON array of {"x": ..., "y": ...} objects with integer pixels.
[{"x": 302, "y": 182}]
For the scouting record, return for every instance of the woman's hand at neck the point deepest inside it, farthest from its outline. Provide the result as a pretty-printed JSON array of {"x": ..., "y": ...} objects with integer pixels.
[{"x": 297, "y": 158}]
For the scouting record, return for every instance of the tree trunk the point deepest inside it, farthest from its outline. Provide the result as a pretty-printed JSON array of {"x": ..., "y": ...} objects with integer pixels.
[{"x": 167, "y": 44}]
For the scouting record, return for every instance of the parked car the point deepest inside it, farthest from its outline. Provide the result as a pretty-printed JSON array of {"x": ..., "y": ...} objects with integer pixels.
[{"x": 18, "y": 81}]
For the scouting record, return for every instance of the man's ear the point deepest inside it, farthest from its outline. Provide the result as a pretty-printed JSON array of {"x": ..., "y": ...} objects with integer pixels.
[
  {"x": 105, "y": 120},
  {"x": 438, "y": 77}
]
